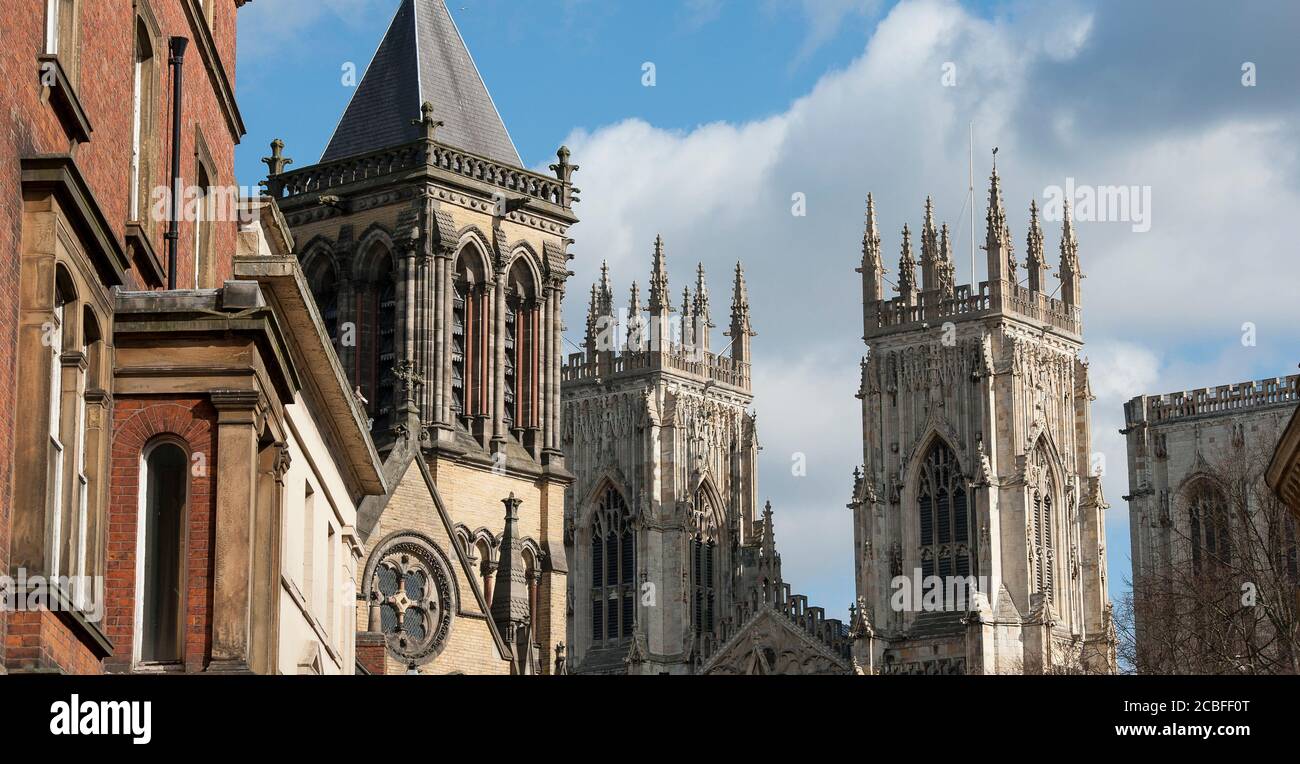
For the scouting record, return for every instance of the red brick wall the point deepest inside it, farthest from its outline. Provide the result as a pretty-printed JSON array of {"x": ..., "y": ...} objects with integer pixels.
[
  {"x": 39, "y": 640},
  {"x": 372, "y": 651},
  {"x": 103, "y": 83},
  {"x": 137, "y": 422}
]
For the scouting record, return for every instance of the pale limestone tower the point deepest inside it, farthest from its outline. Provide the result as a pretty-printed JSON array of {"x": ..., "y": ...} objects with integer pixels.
[
  {"x": 672, "y": 570},
  {"x": 976, "y": 448},
  {"x": 438, "y": 262}
]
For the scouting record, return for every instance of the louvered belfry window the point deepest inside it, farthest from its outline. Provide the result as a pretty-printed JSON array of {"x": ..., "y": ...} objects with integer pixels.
[
  {"x": 613, "y": 570},
  {"x": 703, "y": 550},
  {"x": 943, "y": 506}
]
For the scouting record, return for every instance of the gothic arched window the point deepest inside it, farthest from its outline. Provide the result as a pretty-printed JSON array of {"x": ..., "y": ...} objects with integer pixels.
[
  {"x": 165, "y": 478},
  {"x": 944, "y": 513},
  {"x": 1208, "y": 526},
  {"x": 1041, "y": 527},
  {"x": 523, "y": 313},
  {"x": 469, "y": 336},
  {"x": 324, "y": 283},
  {"x": 377, "y": 342},
  {"x": 613, "y": 570},
  {"x": 704, "y": 564}
]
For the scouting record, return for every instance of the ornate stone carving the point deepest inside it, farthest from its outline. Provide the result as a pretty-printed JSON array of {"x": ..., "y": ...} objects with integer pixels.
[{"x": 411, "y": 588}]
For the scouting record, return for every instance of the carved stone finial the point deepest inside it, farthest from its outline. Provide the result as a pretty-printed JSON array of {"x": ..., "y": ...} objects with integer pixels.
[
  {"x": 277, "y": 161},
  {"x": 427, "y": 121},
  {"x": 563, "y": 169}
]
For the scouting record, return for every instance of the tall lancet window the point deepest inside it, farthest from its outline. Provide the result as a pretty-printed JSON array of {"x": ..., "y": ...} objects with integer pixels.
[
  {"x": 704, "y": 564},
  {"x": 324, "y": 283},
  {"x": 1042, "y": 524},
  {"x": 377, "y": 341},
  {"x": 142, "y": 109},
  {"x": 160, "y": 568},
  {"x": 613, "y": 570},
  {"x": 1208, "y": 527},
  {"x": 943, "y": 506},
  {"x": 522, "y": 334},
  {"x": 469, "y": 354}
]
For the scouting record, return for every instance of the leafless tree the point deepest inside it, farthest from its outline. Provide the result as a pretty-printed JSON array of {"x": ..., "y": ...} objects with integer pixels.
[{"x": 1221, "y": 597}]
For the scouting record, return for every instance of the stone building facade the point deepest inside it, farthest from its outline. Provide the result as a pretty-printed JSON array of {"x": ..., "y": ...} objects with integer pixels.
[
  {"x": 673, "y": 571},
  {"x": 439, "y": 263},
  {"x": 85, "y": 142},
  {"x": 977, "y": 453},
  {"x": 1201, "y": 515}
]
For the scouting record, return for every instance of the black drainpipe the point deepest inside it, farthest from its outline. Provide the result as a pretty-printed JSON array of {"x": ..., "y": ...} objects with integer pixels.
[{"x": 176, "y": 61}]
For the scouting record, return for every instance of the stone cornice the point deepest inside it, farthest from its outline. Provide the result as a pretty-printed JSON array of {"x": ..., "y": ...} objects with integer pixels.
[{"x": 59, "y": 174}]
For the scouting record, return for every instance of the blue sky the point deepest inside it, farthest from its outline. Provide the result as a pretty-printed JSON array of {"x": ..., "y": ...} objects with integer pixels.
[
  {"x": 551, "y": 65},
  {"x": 756, "y": 100}
]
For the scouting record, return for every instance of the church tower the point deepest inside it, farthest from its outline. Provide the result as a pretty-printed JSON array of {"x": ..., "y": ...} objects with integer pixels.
[
  {"x": 673, "y": 570},
  {"x": 438, "y": 263},
  {"x": 978, "y": 523}
]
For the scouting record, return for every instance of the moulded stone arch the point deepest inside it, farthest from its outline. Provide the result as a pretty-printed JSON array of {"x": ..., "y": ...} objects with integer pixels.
[
  {"x": 610, "y": 478},
  {"x": 925, "y": 444},
  {"x": 474, "y": 236},
  {"x": 373, "y": 247},
  {"x": 524, "y": 252},
  {"x": 1043, "y": 440},
  {"x": 705, "y": 484}
]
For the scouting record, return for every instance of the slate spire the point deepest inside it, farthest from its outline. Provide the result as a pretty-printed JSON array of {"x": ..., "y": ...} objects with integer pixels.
[{"x": 422, "y": 59}]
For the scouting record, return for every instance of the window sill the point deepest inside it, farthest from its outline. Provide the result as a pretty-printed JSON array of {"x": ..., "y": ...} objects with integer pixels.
[
  {"x": 61, "y": 95},
  {"x": 87, "y": 631},
  {"x": 143, "y": 256}
]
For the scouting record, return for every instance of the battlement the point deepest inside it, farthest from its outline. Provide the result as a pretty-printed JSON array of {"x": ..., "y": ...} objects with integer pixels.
[
  {"x": 937, "y": 298},
  {"x": 398, "y": 161},
  {"x": 701, "y": 366},
  {"x": 1224, "y": 399}
]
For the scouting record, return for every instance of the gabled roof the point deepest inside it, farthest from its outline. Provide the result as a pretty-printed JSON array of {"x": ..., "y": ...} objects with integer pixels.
[
  {"x": 768, "y": 629},
  {"x": 422, "y": 58}
]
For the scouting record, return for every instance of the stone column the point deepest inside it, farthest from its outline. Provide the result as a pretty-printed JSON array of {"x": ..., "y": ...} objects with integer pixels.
[
  {"x": 347, "y": 314},
  {"x": 236, "y": 496},
  {"x": 489, "y": 579},
  {"x": 499, "y": 361},
  {"x": 448, "y": 321},
  {"x": 555, "y": 361},
  {"x": 543, "y": 373},
  {"x": 273, "y": 466},
  {"x": 438, "y": 353}
]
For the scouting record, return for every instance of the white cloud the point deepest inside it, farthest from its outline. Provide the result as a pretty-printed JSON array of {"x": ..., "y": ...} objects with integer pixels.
[
  {"x": 1222, "y": 188},
  {"x": 271, "y": 28}
]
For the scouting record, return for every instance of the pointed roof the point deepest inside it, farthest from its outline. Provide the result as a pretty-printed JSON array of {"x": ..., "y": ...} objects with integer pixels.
[
  {"x": 906, "y": 265},
  {"x": 659, "y": 298},
  {"x": 871, "y": 237},
  {"x": 422, "y": 58}
]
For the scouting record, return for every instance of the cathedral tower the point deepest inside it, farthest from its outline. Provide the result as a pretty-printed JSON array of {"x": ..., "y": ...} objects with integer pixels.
[
  {"x": 976, "y": 449},
  {"x": 438, "y": 262},
  {"x": 672, "y": 568}
]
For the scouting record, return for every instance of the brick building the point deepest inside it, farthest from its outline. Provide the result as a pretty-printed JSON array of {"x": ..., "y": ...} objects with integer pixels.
[
  {"x": 181, "y": 494},
  {"x": 78, "y": 169}
]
